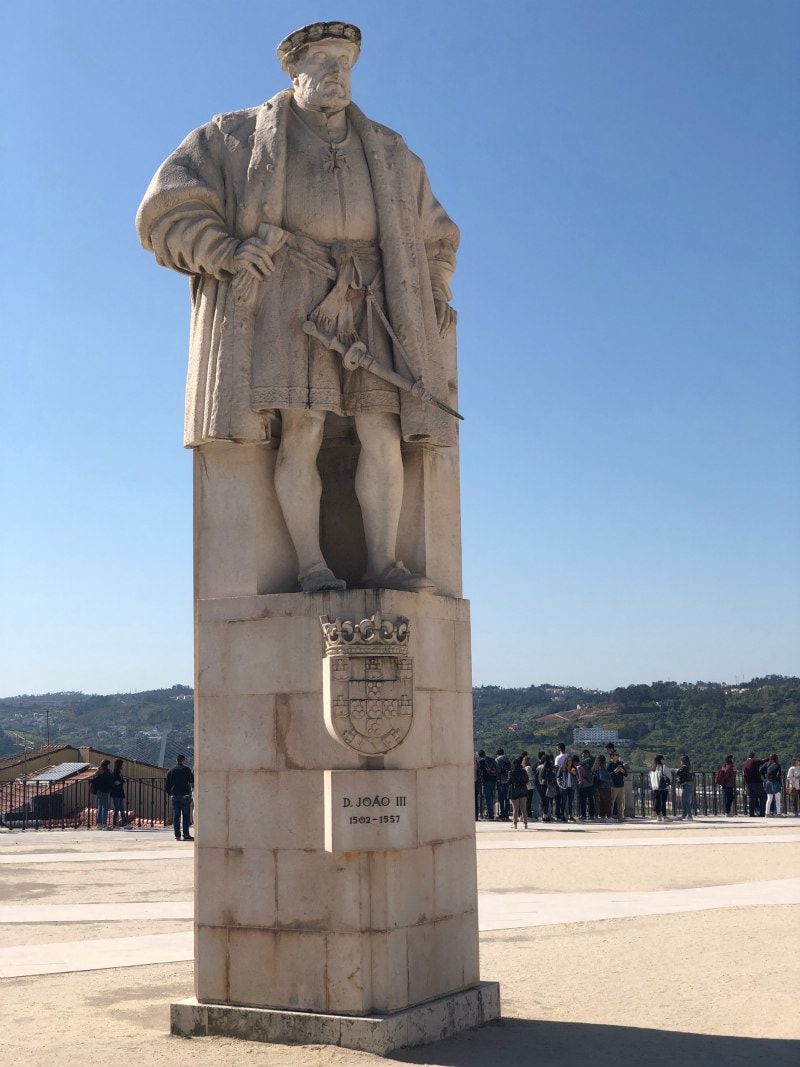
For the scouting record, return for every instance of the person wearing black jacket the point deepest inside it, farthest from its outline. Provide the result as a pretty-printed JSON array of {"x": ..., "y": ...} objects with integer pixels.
[
  {"x": 118, "y": 795},
  {"x": 101, "y": 787},
  {"x": 178, "y": 785},
  {"x": 618, "y": 772}
]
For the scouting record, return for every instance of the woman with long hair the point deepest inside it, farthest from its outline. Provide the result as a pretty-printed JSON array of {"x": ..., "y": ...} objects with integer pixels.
[
  {"x": 685, "y": 778},
  {"x": 518, "y": 788},
  {"x": 566, "y": 788},
  {"x": 118, "y": 795},
  {"x": 659, "y": 784},
  {"x": 603, "y": 783},
  {"x": 548, "y": 786},
  {"x": 773, "y": 782},
  {"x": 726, "y": 779},
  {"x": 534, "y": 804}
]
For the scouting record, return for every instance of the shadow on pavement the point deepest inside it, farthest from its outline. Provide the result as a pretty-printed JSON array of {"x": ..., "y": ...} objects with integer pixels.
[{"x": 523, "y": 1041}]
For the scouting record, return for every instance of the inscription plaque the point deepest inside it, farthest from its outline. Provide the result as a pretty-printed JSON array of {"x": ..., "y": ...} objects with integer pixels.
[{"x": 370, "y": 811}]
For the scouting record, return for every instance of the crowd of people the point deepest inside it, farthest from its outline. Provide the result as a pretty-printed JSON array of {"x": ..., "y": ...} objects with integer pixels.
[{"x": 572, "y": 787}]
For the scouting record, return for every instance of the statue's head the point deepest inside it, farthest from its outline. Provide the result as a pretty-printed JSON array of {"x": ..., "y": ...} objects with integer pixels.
[{"x": 318, "y": 58}]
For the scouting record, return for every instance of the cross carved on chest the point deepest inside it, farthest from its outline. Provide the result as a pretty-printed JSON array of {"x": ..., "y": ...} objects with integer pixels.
[{"x": 334, "y": 158}]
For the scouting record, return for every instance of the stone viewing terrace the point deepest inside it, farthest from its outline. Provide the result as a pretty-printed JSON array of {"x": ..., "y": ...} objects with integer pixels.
[{"x": 655, "y": 943}]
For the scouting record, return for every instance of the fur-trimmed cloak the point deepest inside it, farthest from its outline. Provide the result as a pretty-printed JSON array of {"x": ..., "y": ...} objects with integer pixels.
[{"x": 217, "y": 188}]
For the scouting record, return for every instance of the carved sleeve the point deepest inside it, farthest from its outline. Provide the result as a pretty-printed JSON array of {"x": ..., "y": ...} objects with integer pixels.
[
  {"x": 183, "y": 217},
  {"x": 441, "y": 237}
]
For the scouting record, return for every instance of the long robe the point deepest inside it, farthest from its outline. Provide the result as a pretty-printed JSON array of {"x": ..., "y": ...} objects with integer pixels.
[{"x": 223, "y": 182}]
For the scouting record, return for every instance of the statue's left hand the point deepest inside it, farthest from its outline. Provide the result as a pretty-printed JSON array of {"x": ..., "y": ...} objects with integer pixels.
[{"x": 445, "y": 316}]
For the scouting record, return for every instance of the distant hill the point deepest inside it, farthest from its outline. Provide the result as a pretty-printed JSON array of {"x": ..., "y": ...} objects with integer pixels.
[
  {"x": 152, "y": 727},
  {"x": 705, "y": 719}
]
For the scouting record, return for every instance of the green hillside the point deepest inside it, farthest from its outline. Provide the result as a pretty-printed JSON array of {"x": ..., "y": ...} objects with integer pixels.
[
  {"x": 707, "y": 720},
  {"x": 137, "y": 726}
]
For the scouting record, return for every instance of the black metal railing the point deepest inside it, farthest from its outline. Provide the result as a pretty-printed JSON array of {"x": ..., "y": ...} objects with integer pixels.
[
  {"x": 708, "y": 798},
  {"x": 70, "y": 805}
]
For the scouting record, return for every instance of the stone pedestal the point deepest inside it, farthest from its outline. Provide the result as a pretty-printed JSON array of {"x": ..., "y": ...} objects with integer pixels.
[
  {"x": 332, "y": 881},
  {"x": 379, "y": 1034}
]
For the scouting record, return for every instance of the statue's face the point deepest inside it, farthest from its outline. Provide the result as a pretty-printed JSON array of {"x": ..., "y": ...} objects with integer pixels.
[{"x": 321, "y": 76}]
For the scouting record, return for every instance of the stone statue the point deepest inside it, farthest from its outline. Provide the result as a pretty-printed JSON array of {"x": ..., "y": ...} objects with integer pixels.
[{"x": 320, "y": 264}]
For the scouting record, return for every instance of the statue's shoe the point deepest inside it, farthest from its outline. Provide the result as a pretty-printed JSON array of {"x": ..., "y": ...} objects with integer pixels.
[
  {"x": 398, "y": 576},
  {"x": 318, "y": 578}
]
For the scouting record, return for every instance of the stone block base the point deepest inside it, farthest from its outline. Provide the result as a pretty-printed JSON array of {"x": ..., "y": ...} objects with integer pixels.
[{"x": 378, "y": 1034}]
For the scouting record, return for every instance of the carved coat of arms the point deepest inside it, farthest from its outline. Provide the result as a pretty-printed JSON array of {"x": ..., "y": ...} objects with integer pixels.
[{"x": 368, "y": 683}]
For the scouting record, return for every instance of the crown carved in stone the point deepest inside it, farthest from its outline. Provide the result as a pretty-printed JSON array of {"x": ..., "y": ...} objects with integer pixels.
[{"x": 375, "y": 636}]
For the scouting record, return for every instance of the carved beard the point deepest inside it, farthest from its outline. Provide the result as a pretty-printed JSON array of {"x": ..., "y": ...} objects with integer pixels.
[{"x": 323, "y": 94}]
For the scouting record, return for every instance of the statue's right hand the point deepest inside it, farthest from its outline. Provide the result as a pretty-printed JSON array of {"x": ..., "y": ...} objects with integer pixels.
[{"x": 254, "y": 257}]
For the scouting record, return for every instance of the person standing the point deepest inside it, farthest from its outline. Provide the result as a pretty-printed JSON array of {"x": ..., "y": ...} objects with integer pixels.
[
  {"x": 534, "y": 805},
  {"x": 685, "y": 778},
  {"x": 503, "y": 769},
  {"x": 793, "y": 786},
  {"x": 618, "y": 772},
  {"x": 566, "y": 777},
  {"x": 101, "y": 787},
  {"x": 603, "y": 784},
  {"x": 753, "y": 786},
  {"x": 773, "y": 783},
  {"x": 583, "y": 772},
  {"x": 178, "y": 785},
  {"x": 488, "y": 773},
  {"x": 659, "y": 784},
  {"x": 518, "y": 788},
  {"x": 726, "y": 779},
  {"x": 118, "y": 795}
]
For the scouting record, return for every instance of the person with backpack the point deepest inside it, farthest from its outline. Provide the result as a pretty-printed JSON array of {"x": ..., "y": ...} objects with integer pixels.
[
  {"x": 503, "y": 764},
  {"x": 534, "y": 806},
  {"x": 548, "y": 786},
  {"x": 725, "y": 778},
  {"x": 488, "y": 771},
  {"x": 660, "y": 782}
]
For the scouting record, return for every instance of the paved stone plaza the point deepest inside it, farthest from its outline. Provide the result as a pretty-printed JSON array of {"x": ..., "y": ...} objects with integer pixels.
[{"x": 651, "y": 940}]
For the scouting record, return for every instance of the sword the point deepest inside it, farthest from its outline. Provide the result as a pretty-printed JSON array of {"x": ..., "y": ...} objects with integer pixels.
[{"x": 357, "y": 355}]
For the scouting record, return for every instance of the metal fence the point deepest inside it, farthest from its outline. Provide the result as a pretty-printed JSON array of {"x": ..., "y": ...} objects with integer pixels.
[
  {"x": 707, "y": 799},
  {"x": 70, "y": 805}
]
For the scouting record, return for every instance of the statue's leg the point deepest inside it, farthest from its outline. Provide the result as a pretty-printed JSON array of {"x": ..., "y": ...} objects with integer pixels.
[
  {"x": 299, "y": 489},
  {"x": 379, "y": 488}
]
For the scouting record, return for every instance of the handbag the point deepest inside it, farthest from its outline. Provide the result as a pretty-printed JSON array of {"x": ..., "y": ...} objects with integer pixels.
[
  {"x": 665, "y": 782},
  {"x": 551, "y": 791}
]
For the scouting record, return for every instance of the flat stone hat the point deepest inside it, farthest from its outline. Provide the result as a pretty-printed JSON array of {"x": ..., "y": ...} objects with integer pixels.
[{"x": 318, "y": 31}]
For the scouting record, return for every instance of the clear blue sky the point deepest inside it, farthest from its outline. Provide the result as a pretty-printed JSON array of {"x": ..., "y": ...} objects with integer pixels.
[{"x": 625, "y": 175}]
